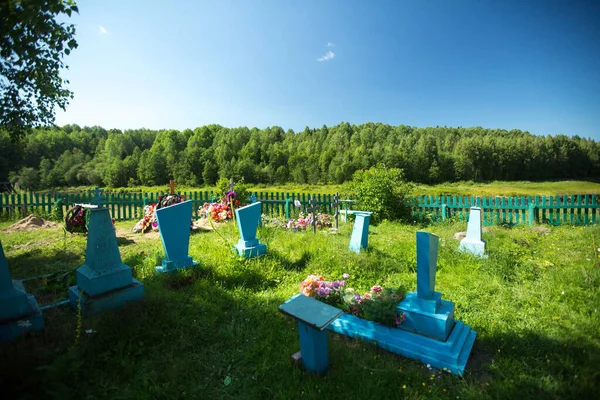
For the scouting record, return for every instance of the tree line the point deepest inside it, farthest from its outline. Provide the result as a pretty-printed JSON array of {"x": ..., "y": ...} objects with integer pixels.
[{"x": 70, "y": 156}]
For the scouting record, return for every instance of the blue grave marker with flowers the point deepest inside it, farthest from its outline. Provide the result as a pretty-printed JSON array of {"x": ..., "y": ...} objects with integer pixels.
[
  {"x": 174, "y": 226},
  {"x": 19, "y": 311},
  {"x": 103, "y": 281},
  {"x": 429, "y": 333},
  {"x": 247, "y": 220},
  {"x": 360, "y": 231}
]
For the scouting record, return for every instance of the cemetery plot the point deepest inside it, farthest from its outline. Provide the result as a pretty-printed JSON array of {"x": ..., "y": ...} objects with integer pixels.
[{"x": 214, "y": 330}]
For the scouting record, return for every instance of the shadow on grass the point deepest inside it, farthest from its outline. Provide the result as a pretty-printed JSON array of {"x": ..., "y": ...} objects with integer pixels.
[
  {"x": 242, "y": 277},
  {"x": 289, "y": 265},
  {"x": 547, "y": 367},
  {"x": 123, "y": 241},
  {"x": 41, "y": 261}
]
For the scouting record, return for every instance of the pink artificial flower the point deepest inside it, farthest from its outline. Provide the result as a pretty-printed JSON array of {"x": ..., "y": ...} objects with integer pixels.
[
  {"x": 345, "y": 276},
  {"x": 376, "y": 289}
]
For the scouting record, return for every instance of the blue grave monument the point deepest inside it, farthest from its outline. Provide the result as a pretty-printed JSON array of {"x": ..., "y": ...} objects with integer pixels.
[
  {"x": 360, "y": 231},
  {"x": 472, "y": 243},
  {"x": 19, "y": 311},
  {"x": 247, "y": 219},
  {"x": 313, "y": 317},
  {"x": 429, "y": 333},
  {"x": 103, "y": 281},
  {"x": 174, "y": 226}
]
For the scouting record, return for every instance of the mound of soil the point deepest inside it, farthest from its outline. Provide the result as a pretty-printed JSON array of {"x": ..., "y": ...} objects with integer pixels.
[{"x": 31, "y": 223}]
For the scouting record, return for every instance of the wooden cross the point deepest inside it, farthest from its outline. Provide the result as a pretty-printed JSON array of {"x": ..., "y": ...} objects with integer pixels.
[
  {"x": 231, "y": 185},
  {"x": 98, "y": 196},
  {"x": 336, "y": 207},
  {"x": 313, "y": 209},
  {"x": 172, "y": 185}
]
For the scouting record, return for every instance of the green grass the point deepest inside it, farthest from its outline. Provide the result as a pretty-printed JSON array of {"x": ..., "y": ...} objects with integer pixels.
[
  {"x": 500, "y": 188},
  {"x": 534, "y": 304}
]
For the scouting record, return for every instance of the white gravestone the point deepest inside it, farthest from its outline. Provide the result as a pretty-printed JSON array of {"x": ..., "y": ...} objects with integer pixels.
[{"x": 472, "y": 243}]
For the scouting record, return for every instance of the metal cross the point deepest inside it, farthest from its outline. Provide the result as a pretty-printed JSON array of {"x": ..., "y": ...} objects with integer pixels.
[
  {"x": 313, "y": 209},
  {"x": 98, "y": 196},
  {"x": 172, "y": 185},
  {"x": 336, "y": 208}
]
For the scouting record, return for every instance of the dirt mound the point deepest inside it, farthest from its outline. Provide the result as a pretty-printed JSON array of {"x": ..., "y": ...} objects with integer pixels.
[{"x": 31, "y": 223}]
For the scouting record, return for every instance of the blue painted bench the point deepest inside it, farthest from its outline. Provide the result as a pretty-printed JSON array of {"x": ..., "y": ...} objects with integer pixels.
[{"x": 313, "y": 317}]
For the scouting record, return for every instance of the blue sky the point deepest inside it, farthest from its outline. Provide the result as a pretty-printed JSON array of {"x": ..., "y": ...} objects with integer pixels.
[{"x": 530, "y": 65}]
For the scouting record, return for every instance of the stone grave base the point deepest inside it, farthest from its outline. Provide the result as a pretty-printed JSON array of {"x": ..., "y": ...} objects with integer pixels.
[
  {"x": 172, "y": 266},
  {"x": 251, "y": 252},
  {"x": 451, "y": 354},
  {"x": 34, "y": 321},
  {"x": 475, "y": 247},
  {"x": 91, "y": 305}
]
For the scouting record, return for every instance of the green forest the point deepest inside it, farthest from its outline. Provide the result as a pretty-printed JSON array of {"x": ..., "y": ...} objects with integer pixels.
[{"x": 72, "y": 156}]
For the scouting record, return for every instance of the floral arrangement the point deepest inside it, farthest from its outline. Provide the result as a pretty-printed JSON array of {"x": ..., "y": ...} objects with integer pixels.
[
  {"x": 378, "y": 304},
  {"x": 322, "y": 221},
  {"x": 218, "y": 212}
]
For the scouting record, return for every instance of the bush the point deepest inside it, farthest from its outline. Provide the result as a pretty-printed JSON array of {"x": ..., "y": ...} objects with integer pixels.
[
  {"x": 383, "y": 191},
  {"x": 242, "y": 194}
]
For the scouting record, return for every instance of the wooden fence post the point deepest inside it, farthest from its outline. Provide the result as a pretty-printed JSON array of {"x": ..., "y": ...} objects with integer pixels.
[{"x": 531, "y": 214}]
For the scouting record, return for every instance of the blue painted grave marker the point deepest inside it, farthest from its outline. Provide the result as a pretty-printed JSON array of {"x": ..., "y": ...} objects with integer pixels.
[
  {"x": 252, "y": 201},
  {"x": 472, "y": 243},
  {"x": 103, "y": 281},
  {"x": 429, "y": 333},
  {"x": 247, "y": 220},
  {"x": 360, "y": 231},
  {"x": 19, "y": 311},
  {"x": 97, "y": 196},
  {"x": 174, "y": 228},
  {"x": 313, "y": 317},
  {"x": 426, "y": 312}
]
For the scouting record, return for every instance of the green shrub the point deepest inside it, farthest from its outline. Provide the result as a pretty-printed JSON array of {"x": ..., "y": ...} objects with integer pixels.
[
  {"x": 242, "y": 193},
  {"x": 383, "y": 191}
]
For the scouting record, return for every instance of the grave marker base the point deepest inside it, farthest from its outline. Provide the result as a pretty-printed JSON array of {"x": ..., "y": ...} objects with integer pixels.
[
  {"x": 473, "y": 246},
  {"x": 432, "y": 318},
  {"x": 451, "y": 354},
  {"x": 30, "y": 321},
  {"x": 252, "y": 251},
  {"x": 173, "y": 266},
  {"x": 92, "y": 305}
]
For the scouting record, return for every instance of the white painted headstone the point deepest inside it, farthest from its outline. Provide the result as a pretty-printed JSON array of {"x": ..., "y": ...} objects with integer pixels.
[{"x": 472, "y": 243}]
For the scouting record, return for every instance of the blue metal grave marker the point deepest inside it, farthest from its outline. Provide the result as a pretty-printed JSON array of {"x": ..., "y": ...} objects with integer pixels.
[
  {"x": 429, "y": 333},
  {"x": 247, "y": 220},
  {"x": 19, "y": 311},
  {"x": 472, "y": 243},
  {"x": 313, "y": 317},
  {"x": 252, "y": 201},
  {"x": 97, "y": 196},
  {"x": 103, "y": 281},
  {"x": 360, "y": 231},
  {"x": 426, "y": 312},
  {"x": 174, "y": 227}
]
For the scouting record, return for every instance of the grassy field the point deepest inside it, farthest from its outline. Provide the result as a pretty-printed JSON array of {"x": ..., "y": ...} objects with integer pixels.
[
  {"x": 496, "y": 188},
  {"x": 214, "y": 332}
]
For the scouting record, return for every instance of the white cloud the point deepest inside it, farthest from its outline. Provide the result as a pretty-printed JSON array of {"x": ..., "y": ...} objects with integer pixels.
[
  {"x": 327, "y": 56},
  {"x": 329, "y": 44},
  {"x": 102, "y": 29}
]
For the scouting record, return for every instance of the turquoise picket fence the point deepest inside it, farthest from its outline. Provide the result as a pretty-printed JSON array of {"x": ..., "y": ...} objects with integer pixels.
[{"x": 580, "y": 209}]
